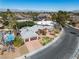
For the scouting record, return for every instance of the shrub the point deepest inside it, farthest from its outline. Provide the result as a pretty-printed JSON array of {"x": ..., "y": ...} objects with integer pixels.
[
  {"x": 23, "y": 24},
  {"x": 45, "y": 40},
  {"x": 18, "y": 42}
]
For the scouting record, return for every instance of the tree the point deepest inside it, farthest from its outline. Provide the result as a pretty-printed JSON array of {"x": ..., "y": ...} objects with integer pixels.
[
  {"x": 54, "y": 16},
  {"x": 8, "y": 18},
  {"x": 11, "y": 20},
  {"x": 4, "y": 18},
  {"x": 61, "y": 17}
]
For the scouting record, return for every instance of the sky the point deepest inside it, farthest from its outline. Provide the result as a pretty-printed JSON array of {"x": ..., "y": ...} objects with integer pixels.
[{"x": 47, "y": 5}]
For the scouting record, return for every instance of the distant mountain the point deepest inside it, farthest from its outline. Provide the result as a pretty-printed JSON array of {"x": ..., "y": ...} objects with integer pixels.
[
  {"x": 26, "y": 10},
  {"x": 75, "y": 11},
  {"x": 12, "y": 10},
  {"x": 3, "y": 10},
  {"x": 15, "y": 10},
  {"x": 23, "y": 10}
]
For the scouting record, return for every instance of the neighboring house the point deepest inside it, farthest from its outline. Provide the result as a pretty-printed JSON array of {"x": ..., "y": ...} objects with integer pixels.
[
  {"x": 45, "y": 16},
  {"x": 1, "y": 24},
  {"x": 23, "y": 18},
  {"x": 45, "y": 23},
  {"x": 18, "y": 16},
  {"x": 74, "y": 18}
]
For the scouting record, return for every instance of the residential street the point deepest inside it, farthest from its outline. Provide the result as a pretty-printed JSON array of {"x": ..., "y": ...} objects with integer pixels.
[{"x": 62, "y": 51}]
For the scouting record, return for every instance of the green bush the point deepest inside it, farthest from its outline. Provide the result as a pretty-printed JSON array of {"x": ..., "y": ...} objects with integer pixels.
[
  {"x": 45, "y": 40},
  {"x": 24, "y": 24},
  {"x": 18, "y": 42}
]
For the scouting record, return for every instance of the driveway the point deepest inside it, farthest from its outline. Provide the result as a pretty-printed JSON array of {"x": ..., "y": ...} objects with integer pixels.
[{"x": 33, "y": 45}]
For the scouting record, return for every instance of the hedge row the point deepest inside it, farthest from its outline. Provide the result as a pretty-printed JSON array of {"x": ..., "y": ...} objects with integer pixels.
[{"x": 25, "y": 24}]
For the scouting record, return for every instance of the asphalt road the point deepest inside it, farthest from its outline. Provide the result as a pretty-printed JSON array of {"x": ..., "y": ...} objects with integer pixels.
[{"x": 64, "y": 50}]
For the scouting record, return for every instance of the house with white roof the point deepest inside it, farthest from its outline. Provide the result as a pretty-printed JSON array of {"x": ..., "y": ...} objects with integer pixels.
[{"x": 29, "y": 33}]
